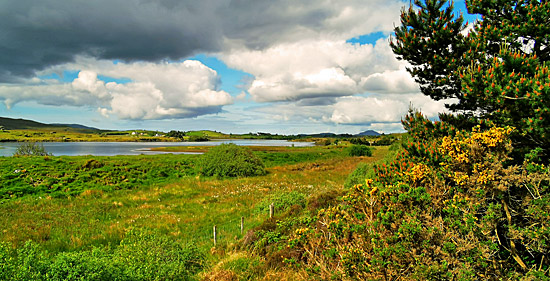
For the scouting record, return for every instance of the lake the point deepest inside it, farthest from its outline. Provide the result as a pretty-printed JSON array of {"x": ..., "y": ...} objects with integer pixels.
[{"x": 134, "y": 148}]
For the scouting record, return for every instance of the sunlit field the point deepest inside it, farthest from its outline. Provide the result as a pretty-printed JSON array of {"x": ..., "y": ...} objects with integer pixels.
[{"x": 75, "y": 203}]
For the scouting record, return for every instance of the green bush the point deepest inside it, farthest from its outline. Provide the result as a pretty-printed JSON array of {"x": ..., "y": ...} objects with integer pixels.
[
  {"x": 31, "y": 149},
  {"x": 359, "y": 150},
  {"x": 141, "y": 255},
  {"x": 86, "y": 265},
  {"x": 230, "y": 160}
]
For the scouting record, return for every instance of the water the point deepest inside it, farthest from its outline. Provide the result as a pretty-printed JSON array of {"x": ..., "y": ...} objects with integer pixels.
[{"x": 133, "y": 148}]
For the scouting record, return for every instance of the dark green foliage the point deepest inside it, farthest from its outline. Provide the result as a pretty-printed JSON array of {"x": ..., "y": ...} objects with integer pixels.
[
  {"x": 176, "y": 134},
  {"x": 363, "y": 141},
  {"x": 360, "y": 150},
  {"x": 431, "y": 40},
  {"x": 231, "y": 160},
  {"x": 198, "y": 138},
  {"x": 498, "y": 73},
  {"x": 31, "y": 149}
]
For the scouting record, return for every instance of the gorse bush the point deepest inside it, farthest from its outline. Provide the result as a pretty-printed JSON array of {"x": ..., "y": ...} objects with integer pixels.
[
  {"x": 448, "y": 207},
  {"x": 31, "y": 149},
  {"x": 231, "y": 160}
]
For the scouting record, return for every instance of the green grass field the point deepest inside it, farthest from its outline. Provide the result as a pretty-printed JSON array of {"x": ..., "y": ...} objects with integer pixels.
[{"x": 76, "y": 204}]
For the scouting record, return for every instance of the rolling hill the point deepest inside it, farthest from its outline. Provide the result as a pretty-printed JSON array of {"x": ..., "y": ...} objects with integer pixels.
[{"x": 23, "y": 124}]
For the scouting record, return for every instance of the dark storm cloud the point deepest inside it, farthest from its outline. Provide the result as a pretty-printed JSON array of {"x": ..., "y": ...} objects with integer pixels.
[{"x": 38, "y": 34}]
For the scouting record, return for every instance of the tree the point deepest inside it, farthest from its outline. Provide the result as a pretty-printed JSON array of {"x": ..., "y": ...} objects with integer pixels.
[
  {"x": 498, "y": 72},
  {"x": 176, "y": 134},
  {"x": 31, "y": 149}
]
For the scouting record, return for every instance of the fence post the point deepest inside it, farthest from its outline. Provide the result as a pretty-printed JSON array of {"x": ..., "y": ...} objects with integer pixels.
[
  {"x": 271, "y": 210},
  {"x": 214, "y": 236},
  {"x": 242, "y": 225}
]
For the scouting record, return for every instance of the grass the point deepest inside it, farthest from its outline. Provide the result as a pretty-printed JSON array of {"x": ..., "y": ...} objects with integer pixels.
[
  {"x": 183, "y": 206},
  {"x": 69, "y": 175}
]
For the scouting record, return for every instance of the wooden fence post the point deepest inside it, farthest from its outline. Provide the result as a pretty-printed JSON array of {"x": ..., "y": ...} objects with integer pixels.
[
  {"x": 214, "y": 236},
  {"x": 271, "y": 210},
  {"x": 242, "y": 225}
]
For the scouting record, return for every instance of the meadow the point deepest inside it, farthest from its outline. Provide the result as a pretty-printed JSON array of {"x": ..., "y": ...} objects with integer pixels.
[{"x": 73, "y": 207}]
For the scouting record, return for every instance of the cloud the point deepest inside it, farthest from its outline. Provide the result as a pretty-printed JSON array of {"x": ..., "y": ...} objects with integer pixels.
[
  {"x": 156, "y": 91},
  {"x": 321, "y": 69},
  {"x": 381, "y": 109},
  {"x": 390, "y": 81},
  {"x": 38, "y": 34},
  {"x": 373, "y": 111}
]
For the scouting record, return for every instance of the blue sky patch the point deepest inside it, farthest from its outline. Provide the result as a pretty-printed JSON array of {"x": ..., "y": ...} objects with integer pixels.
[
  {"x": 108, "y": 79},
  {"x": 231, "y": 79},
  {"x": 368, "y": 38}
]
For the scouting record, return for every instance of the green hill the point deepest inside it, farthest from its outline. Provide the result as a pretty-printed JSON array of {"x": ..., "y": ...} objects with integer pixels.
[{"x": 23, "y": 124}]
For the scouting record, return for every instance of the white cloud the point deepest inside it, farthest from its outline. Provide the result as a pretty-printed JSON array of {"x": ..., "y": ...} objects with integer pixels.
[
  {"x": 359, "y": 110},
  {"x": 156, "y": 91},
  {"x": 381, "y": 109},
  {"x": 313, "y": 69},
  {"x": 390, "y": 82},
  {"x": 373, "y": 111}
]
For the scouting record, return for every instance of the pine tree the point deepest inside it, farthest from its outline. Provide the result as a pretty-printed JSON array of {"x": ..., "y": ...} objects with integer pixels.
[{"x": 498, "y": 72}]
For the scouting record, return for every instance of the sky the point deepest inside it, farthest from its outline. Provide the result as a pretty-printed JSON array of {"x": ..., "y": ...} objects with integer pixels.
[{"x": 234, "y": 66}]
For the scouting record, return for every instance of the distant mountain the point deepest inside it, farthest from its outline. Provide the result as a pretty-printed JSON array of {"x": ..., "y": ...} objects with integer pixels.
[
  {"x": 368, "y": 133},
  {"x": 23, "y": 124}
]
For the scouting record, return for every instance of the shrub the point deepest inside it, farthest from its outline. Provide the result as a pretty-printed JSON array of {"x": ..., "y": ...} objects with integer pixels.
[
  {"x": 31, "y": 149},
  {"x": 360, "y": 150},
  {"x": 447, "y": 207},
  {"x": 29, "y": 262},
  {"x": 231, "y": 160},
  {"x": 86, "y": 265}
]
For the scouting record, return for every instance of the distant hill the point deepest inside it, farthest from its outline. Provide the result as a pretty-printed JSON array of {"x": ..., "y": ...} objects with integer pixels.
[
  {"x": 76, "y": 126},
  {"x": 23, "y": 124},
  {"x": 368, "y": 133}
]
